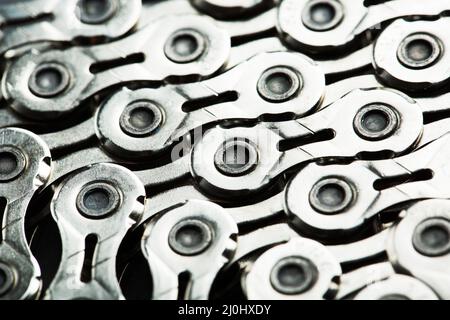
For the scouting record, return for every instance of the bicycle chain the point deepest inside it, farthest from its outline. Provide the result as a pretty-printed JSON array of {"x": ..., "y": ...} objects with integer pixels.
[{"x": 208, "y": 149}]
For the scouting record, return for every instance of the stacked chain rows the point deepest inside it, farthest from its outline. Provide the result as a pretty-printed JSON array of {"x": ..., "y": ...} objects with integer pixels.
[{"x": 215, "y": 149}]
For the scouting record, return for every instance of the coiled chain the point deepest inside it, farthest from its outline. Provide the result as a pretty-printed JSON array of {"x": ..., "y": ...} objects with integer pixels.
[{"x": 208, "y": 149}]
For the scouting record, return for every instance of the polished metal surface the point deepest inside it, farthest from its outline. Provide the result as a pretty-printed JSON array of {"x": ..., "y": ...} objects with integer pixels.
[{"x": 216, "y": 149}]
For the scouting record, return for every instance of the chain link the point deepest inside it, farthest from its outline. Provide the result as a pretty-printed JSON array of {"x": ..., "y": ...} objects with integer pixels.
[{"x": 207, "y": 149}]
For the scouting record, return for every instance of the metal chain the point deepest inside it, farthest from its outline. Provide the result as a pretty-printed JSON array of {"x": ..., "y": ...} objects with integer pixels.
[{"x": 205, "y": 149}]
